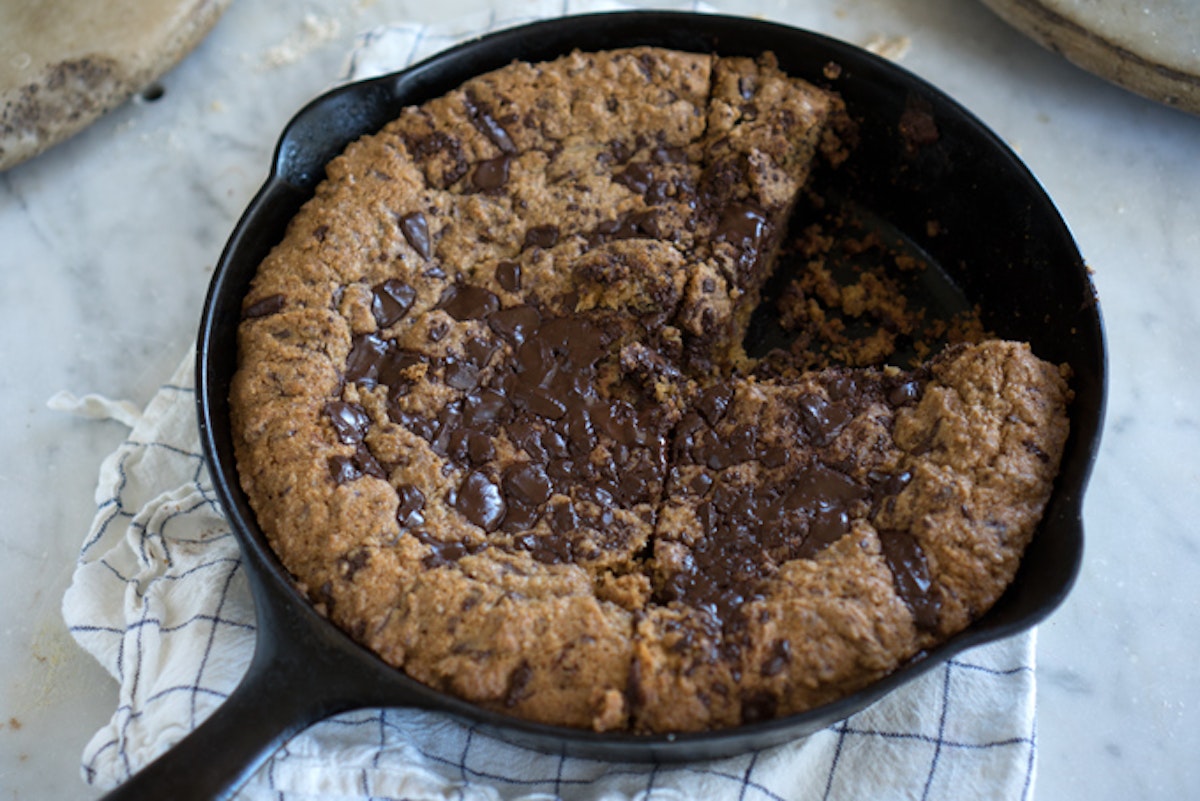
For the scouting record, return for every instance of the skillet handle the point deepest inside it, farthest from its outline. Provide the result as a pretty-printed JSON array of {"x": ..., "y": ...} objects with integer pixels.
[
  {"x": 303, "y": 671},
  {"x": 275, "y": 700}
]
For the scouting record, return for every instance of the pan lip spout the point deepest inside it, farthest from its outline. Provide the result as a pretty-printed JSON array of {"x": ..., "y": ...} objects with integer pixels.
[{"x": 1051, "y": 261}]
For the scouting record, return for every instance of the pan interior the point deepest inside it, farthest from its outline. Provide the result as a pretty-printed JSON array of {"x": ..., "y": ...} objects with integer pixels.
[{"x": 835, "y": 245}]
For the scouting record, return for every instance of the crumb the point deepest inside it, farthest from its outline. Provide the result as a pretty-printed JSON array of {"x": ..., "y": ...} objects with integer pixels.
[
  {"x": 893, "y": 48},
  {"x": 314, "y": 33}
]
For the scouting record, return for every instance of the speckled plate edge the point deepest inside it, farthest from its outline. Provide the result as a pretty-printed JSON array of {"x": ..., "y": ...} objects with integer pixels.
[{"x": 1127, "y": 66}]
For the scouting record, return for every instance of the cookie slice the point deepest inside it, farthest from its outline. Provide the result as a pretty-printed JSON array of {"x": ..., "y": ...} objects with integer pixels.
[{"x": 817, "y": 533}]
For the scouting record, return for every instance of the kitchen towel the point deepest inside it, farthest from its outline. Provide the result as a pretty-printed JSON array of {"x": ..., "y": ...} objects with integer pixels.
[{"x": 159, "y": 598}]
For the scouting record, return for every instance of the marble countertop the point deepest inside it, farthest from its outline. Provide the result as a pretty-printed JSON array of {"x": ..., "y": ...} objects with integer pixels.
[{"x": 107, "y": 244}]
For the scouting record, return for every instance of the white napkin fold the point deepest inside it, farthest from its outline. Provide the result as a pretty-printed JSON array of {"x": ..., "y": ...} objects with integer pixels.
[{"x": 160, "y": 599}]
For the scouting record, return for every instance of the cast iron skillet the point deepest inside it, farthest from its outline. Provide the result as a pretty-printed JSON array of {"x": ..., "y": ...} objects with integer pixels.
[{"x": 998, "y": 241}]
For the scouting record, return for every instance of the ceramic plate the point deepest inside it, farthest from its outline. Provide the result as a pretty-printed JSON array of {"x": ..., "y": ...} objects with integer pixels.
[
  {"x": 64, "y": 63},
  {"x": 1151, "y": 47}
]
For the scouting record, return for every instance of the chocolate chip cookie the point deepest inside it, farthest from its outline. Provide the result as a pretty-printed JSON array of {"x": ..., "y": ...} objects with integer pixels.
[{"x": 494, "y": 414}]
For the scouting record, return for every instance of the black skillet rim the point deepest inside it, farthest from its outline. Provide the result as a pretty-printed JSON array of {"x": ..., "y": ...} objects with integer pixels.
[{"x": 306, "y": 144}]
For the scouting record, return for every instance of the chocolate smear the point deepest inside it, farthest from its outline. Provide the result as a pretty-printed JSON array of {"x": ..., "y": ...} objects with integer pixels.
[{"x": 910, "y": 573}]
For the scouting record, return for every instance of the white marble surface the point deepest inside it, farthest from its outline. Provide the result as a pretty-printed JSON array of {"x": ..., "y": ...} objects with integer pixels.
[{"x": 108, "y": 241}]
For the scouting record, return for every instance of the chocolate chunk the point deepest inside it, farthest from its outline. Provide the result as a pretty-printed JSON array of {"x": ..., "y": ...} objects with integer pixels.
[
  {"x": 827, "y": 527},
  {"x": 365, "y": 461},
  {"x": 743, "y": 225},
  {"x": 579, "y": 340},
  {"x": 461, "y": 374},
  {"x": 486, "y": 407},
  {"x": 887, "y": 485},
  {"x": 528, "y": 438},
  {"x": 508, "y": 275},
  {"x": 272, "y": 304},
  {"x": 528, "y": 484},
  {"x": 636, "y": 481},
  {"x": 393, "y": 364},
  {"x": 910, "y": 573},
  {"x": 480, "y": 501},
  {"x": 515, "y": 324},
  {"x": 543, "y": 402},
  {"x": 390, "y": 301},
  {"x": 905, "y": 393},
  {"x": 619, "y": 420},
  {"x": 468, "y": 302},
  {"x": 541, "y": 236},
  {"x": 445, "y": 553},
  {"x": 618, "y": 152},
  {"x": 735, "y": 448},
  {"x": 820, "y": 487},
  {"x": 443, "y": 148},
  {"x": 491, "y": 174},
  {"x": 772, "y": 456},
  {"x": 353, "y": 562},
  {"x": 366, "y": 354},
  {"x": 416, "y": 232},
  {"x": 841, "y": 387},
  {"x": 700, "y": 484},
  {"x": 412, "y": 501},
  {"x": 469, "y": 446},
  {"x": 563, "y": 519},
  {"x": 343, "y": 470},
  {"x": 421, "y": 426},
  {"x": 635, "y": 225},
  {"x": 520, "y": 517},
  {"x": 481, "y": 117},
  {"x": 668, "y": 155},
  {"x": 549, "y": 549},
  {"x": 554, "y": 444},
  {"x": 821, "y": 419},
  {"x": 478, "y": 352},
  {"x": 349, "y": 420},
  {"x": 448, "y": 421},
  {"x": 713, "y": 402},
  {"x": 636, "y": 178}
]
